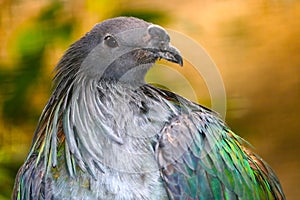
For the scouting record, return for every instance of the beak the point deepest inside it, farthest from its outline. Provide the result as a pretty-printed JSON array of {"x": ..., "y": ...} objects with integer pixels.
[
  {"x": 168, "y": 53},
  {"x": 160, "y": 45},
  {"x": 171, "y": 54}
]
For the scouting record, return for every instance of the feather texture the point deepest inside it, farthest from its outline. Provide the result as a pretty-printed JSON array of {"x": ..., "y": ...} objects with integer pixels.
[
  {"x": 104, "y": 135},
  {"x": 199, "y": 154}
]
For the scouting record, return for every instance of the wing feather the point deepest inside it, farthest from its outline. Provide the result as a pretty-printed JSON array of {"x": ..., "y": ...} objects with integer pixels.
[{"x": 200, "y": 158}]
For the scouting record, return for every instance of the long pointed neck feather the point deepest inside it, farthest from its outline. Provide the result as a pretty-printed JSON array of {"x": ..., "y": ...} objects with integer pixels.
[
  {"x": 49, "y": 132},
  {"x": 66, "y": 107},
  {"x": 79, "y": 121}
]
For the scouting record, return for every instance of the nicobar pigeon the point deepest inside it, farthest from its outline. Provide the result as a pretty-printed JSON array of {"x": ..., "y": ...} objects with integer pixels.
[{"x": 106, "y": 134}]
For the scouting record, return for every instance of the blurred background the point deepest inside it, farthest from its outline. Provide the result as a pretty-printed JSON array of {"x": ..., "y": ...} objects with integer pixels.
[{"x": 255, "y": 44}]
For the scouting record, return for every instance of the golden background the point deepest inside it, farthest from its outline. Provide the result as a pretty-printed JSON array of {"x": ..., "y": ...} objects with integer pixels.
[{"x": 255, "y": 44}]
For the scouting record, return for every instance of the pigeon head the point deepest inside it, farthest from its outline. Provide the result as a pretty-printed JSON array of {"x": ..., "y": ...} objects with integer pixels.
[{"x": 122, "y": 48}]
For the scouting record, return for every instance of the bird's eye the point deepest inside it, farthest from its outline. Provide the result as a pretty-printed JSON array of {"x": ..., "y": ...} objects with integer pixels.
[{"x": 110, "y": 41}]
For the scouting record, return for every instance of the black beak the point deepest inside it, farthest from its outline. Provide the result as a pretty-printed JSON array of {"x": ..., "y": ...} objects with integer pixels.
[
  {"x": 160, "y": 45},
  {"x": 169, "y": 53}
]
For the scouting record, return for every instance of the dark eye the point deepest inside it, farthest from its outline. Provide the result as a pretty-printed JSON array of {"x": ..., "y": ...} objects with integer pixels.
[{"x": 110, "y": 41}]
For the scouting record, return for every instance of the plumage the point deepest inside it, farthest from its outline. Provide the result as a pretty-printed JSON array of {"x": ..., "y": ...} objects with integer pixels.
[{"x": 106, "y": 134}]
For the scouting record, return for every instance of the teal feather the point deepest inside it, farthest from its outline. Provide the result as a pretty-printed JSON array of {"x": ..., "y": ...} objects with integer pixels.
[{"x": 216, "y": 158}]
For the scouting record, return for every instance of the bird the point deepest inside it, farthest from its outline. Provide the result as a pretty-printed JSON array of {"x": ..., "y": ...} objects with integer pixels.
[{"x": 107, "y": 134}]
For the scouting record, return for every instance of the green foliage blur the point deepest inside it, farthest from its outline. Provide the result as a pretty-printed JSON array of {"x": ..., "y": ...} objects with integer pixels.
[{"x": 255, "y": 45}]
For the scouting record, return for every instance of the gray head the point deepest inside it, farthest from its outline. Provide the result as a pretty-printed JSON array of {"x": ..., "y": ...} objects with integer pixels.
[{"x": 119, "y": 48}]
